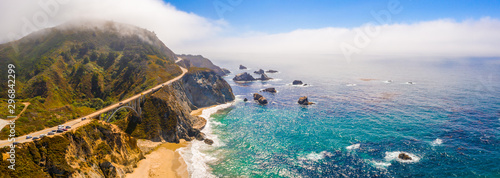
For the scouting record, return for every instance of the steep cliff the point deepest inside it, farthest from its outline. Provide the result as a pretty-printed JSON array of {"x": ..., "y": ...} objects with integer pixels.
[
  {"x": 94, "y": 150},
  {"x": 166, "y": 113},
  {"x": 204, "y": 88}
]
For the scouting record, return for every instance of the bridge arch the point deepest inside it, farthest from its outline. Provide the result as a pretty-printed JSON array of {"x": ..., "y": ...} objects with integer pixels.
[{"x": 122, "y": 107}]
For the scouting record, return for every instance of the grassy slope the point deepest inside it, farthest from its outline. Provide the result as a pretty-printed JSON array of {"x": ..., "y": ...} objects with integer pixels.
[{"x": 66, "y": 74}]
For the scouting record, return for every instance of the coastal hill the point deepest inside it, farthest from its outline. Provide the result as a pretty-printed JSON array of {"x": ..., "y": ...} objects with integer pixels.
[
  {"x": 202, "y": 62},
  {"x": 76, "y": 68}
]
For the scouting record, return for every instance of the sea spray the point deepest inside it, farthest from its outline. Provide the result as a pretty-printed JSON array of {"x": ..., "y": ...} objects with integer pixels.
[{"x": 197, "y": 161}]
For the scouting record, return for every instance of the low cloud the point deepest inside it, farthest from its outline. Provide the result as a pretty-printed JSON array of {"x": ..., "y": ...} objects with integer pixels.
[{"x": 185, "y": 32}]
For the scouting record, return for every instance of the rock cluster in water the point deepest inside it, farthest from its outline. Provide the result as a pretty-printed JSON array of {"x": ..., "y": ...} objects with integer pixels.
[
  {"x": 246, "y": 77},
  {"x": 242, "y": 67}
]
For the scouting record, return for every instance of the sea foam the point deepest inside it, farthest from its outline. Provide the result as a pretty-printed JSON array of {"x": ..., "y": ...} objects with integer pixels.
[
  {"x": 380, "y": 164},
  {"x": 437, "y": 142},
  {"x": 197, "y": 161},
  {"x": 313, "y": 156},
  {"x": 353, "y": 147}
]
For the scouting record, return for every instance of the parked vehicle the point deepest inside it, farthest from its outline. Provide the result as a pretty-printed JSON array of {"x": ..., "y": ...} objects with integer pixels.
[
  {"x": 28, "y": 137},
  {"x": 15, "y": 143},
  {"x": 68, "y": 127},
  {"x": 84, "y": 118},
  {"x": 50, "y": 133},
  {"x": 64, "y": 129},
  {"x": 54, "y": 131},
  {"x": 59, "y": 131},
  {"x": 121, "y": 103},
  {"x": 42, "y": 135},
  {"x": 35, "y": 138}
]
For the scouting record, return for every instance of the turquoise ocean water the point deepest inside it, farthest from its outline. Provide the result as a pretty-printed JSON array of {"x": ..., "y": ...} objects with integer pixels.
[{"x": 448, "y": 121}]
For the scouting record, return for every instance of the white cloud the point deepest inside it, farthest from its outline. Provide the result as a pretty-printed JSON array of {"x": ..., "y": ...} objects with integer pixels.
[
  {"x": 439, "y": 39},
  {"x": 171, "y": 25},
  {"x": 189, "y": 33}
]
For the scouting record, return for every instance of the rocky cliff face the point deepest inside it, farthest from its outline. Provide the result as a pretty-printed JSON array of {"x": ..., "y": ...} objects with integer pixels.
[
  {"x": 166, "y": 113},
  {"x": 206, "y": 88},
  {"x": 94, "y": 150}
]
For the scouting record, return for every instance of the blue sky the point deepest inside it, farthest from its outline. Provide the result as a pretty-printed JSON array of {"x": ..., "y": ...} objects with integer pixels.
[{"x": 275, "y": 16}]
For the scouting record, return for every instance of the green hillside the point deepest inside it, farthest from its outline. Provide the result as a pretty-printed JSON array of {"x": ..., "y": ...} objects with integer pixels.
[{"x": 74, "y": 69}]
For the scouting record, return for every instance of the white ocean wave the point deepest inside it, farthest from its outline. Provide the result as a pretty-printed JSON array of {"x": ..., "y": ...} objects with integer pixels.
[
  {"x": 380, "y": 164},
  {"x": 437, "y": 142},
  {"x": 353, "y": 147},
  {"x": 313, "y": 156},
  {"x": 197, "y": 161}
]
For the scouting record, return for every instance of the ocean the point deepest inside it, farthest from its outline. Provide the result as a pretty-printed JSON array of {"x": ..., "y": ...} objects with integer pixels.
[{"x": 444, "y": 115}]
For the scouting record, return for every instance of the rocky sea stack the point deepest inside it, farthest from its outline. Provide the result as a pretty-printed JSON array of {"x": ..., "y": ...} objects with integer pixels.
[
  {"x": 242, "y": 67},
  {"x": 304, "y": 101},
  {"x": 226, "y": 71},
  {"x": 272, "y": 71},
  {"x": 297, "y": 82},
  {"x": 243, "y": 77},
  {"x": 264, "y": 77},
  {"x": 260, "y": 71},
  {"x": 259, "y": 98}
]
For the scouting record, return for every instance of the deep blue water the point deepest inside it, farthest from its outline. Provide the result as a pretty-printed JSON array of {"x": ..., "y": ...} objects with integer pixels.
[{"x": 449, "y": 121}]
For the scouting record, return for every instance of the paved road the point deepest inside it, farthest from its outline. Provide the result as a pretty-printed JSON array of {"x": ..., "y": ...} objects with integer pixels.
[{"x": 78, "y": 122}]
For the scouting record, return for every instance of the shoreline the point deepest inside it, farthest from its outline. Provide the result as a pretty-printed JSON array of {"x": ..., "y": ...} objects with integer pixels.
[{"x": 162, "y": 159}]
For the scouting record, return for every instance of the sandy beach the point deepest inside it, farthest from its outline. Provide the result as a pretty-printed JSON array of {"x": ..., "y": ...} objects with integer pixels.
[
  {"x": 162, "y": 159},
  {"x": 199, "y": 111}
]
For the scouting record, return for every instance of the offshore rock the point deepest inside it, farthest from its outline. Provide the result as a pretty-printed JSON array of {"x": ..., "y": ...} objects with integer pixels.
[
  {"x": 270, "y": 90},
  {"x": 226, "y": 71},
  {"x": 260, "y": 99},
  {"x": 271, "y": 71},
  {"x": 304, "y": 101},
  {"x": 297, "y": 82},
  {"x": 243, "y": 77},
  {"x": 209, "y": 141},
  {"x": 404, "y": 156},
  {"x": 242, "y": 67},
  {"x": 264, "y": 77},
  {"x": 260, "y": 71}
]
